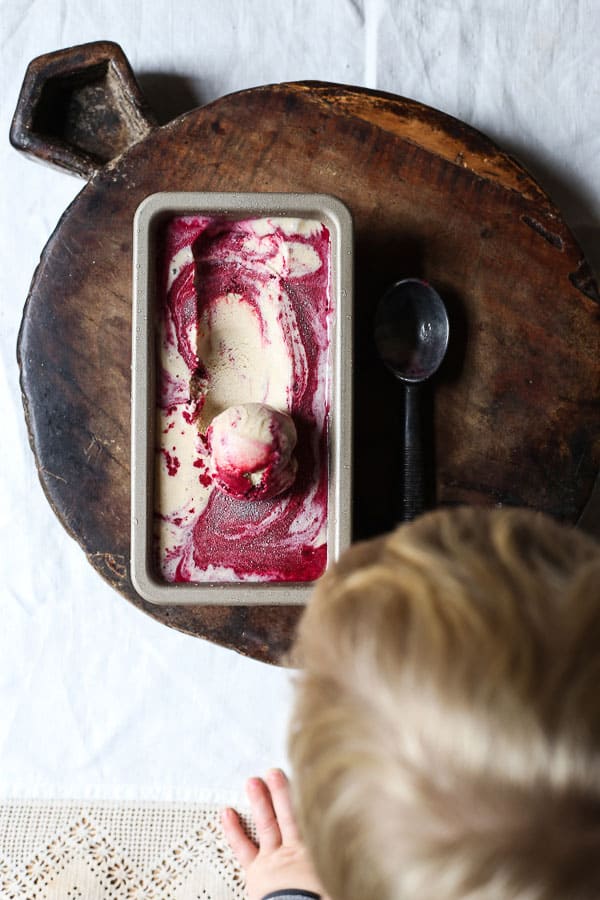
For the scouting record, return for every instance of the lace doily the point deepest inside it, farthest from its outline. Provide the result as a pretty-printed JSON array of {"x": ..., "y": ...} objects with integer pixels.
[{"x": 115, "y": 851}]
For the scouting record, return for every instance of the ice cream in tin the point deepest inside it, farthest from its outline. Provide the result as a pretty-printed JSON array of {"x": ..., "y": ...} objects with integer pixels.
[{"x": 245, "y": 319}]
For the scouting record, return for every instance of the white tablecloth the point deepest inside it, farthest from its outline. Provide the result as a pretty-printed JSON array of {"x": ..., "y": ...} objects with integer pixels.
[{"x": 96, "y": 699}]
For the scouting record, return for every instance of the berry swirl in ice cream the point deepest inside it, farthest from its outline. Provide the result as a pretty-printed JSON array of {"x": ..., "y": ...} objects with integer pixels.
[
  {"x": 251, "y": 449},
  {"x": 244, "y": 323}
]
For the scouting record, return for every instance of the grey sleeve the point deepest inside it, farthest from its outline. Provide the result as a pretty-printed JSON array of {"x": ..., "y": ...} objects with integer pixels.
[{"x": 292, "y": 894}]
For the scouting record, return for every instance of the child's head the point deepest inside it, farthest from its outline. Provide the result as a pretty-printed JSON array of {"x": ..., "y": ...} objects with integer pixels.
[{"x": 446, "y": 737}]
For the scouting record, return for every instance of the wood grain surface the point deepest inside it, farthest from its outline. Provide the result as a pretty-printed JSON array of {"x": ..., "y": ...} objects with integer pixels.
[{"x": 515, "y": 406}]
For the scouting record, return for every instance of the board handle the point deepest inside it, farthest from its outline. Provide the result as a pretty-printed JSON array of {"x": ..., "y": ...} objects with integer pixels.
[{"x": 80, "y": 108}]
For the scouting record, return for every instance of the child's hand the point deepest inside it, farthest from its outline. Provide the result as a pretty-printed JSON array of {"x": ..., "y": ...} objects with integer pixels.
[{"x": 281, "y": 860}]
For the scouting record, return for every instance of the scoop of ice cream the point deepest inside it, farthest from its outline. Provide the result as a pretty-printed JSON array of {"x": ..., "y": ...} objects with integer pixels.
[{"x": 251, "y": 448}]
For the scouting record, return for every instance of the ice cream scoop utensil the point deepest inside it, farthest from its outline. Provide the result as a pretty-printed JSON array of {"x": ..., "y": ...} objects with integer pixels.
[{"x": 411, "y": 334}]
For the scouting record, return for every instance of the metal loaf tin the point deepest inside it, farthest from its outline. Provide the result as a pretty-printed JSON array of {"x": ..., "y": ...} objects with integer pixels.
[{"x": 154, "y": 210}]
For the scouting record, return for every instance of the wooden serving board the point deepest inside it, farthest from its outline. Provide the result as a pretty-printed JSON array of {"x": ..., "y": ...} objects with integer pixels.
[{"x": 515, "y": 405}]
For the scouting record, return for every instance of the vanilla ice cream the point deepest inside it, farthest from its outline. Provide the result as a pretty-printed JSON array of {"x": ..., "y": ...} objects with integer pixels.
[
  {"x": 251, "y": 449},
  {"x": 244, "y": 334}
]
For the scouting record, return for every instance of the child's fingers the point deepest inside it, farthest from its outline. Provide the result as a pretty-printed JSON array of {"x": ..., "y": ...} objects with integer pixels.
[
  {"x": 243, "y": 848},
  {"x": 267, "y": 829},
  {"x": 282, "y": 803}
]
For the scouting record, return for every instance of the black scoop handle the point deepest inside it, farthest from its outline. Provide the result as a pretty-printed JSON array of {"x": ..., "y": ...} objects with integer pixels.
[{"x": 413, "y": 464}]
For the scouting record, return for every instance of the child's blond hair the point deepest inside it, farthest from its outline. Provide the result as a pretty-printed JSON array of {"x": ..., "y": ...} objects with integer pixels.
[{"x": 446, "y": 736}]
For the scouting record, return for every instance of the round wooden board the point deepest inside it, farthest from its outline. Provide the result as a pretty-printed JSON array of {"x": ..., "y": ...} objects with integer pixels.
[{"x": 515, "y": 404}]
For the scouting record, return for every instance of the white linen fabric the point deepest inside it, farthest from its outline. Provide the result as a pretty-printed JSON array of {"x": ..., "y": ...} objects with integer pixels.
[{"x": 96, "y": 699}]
